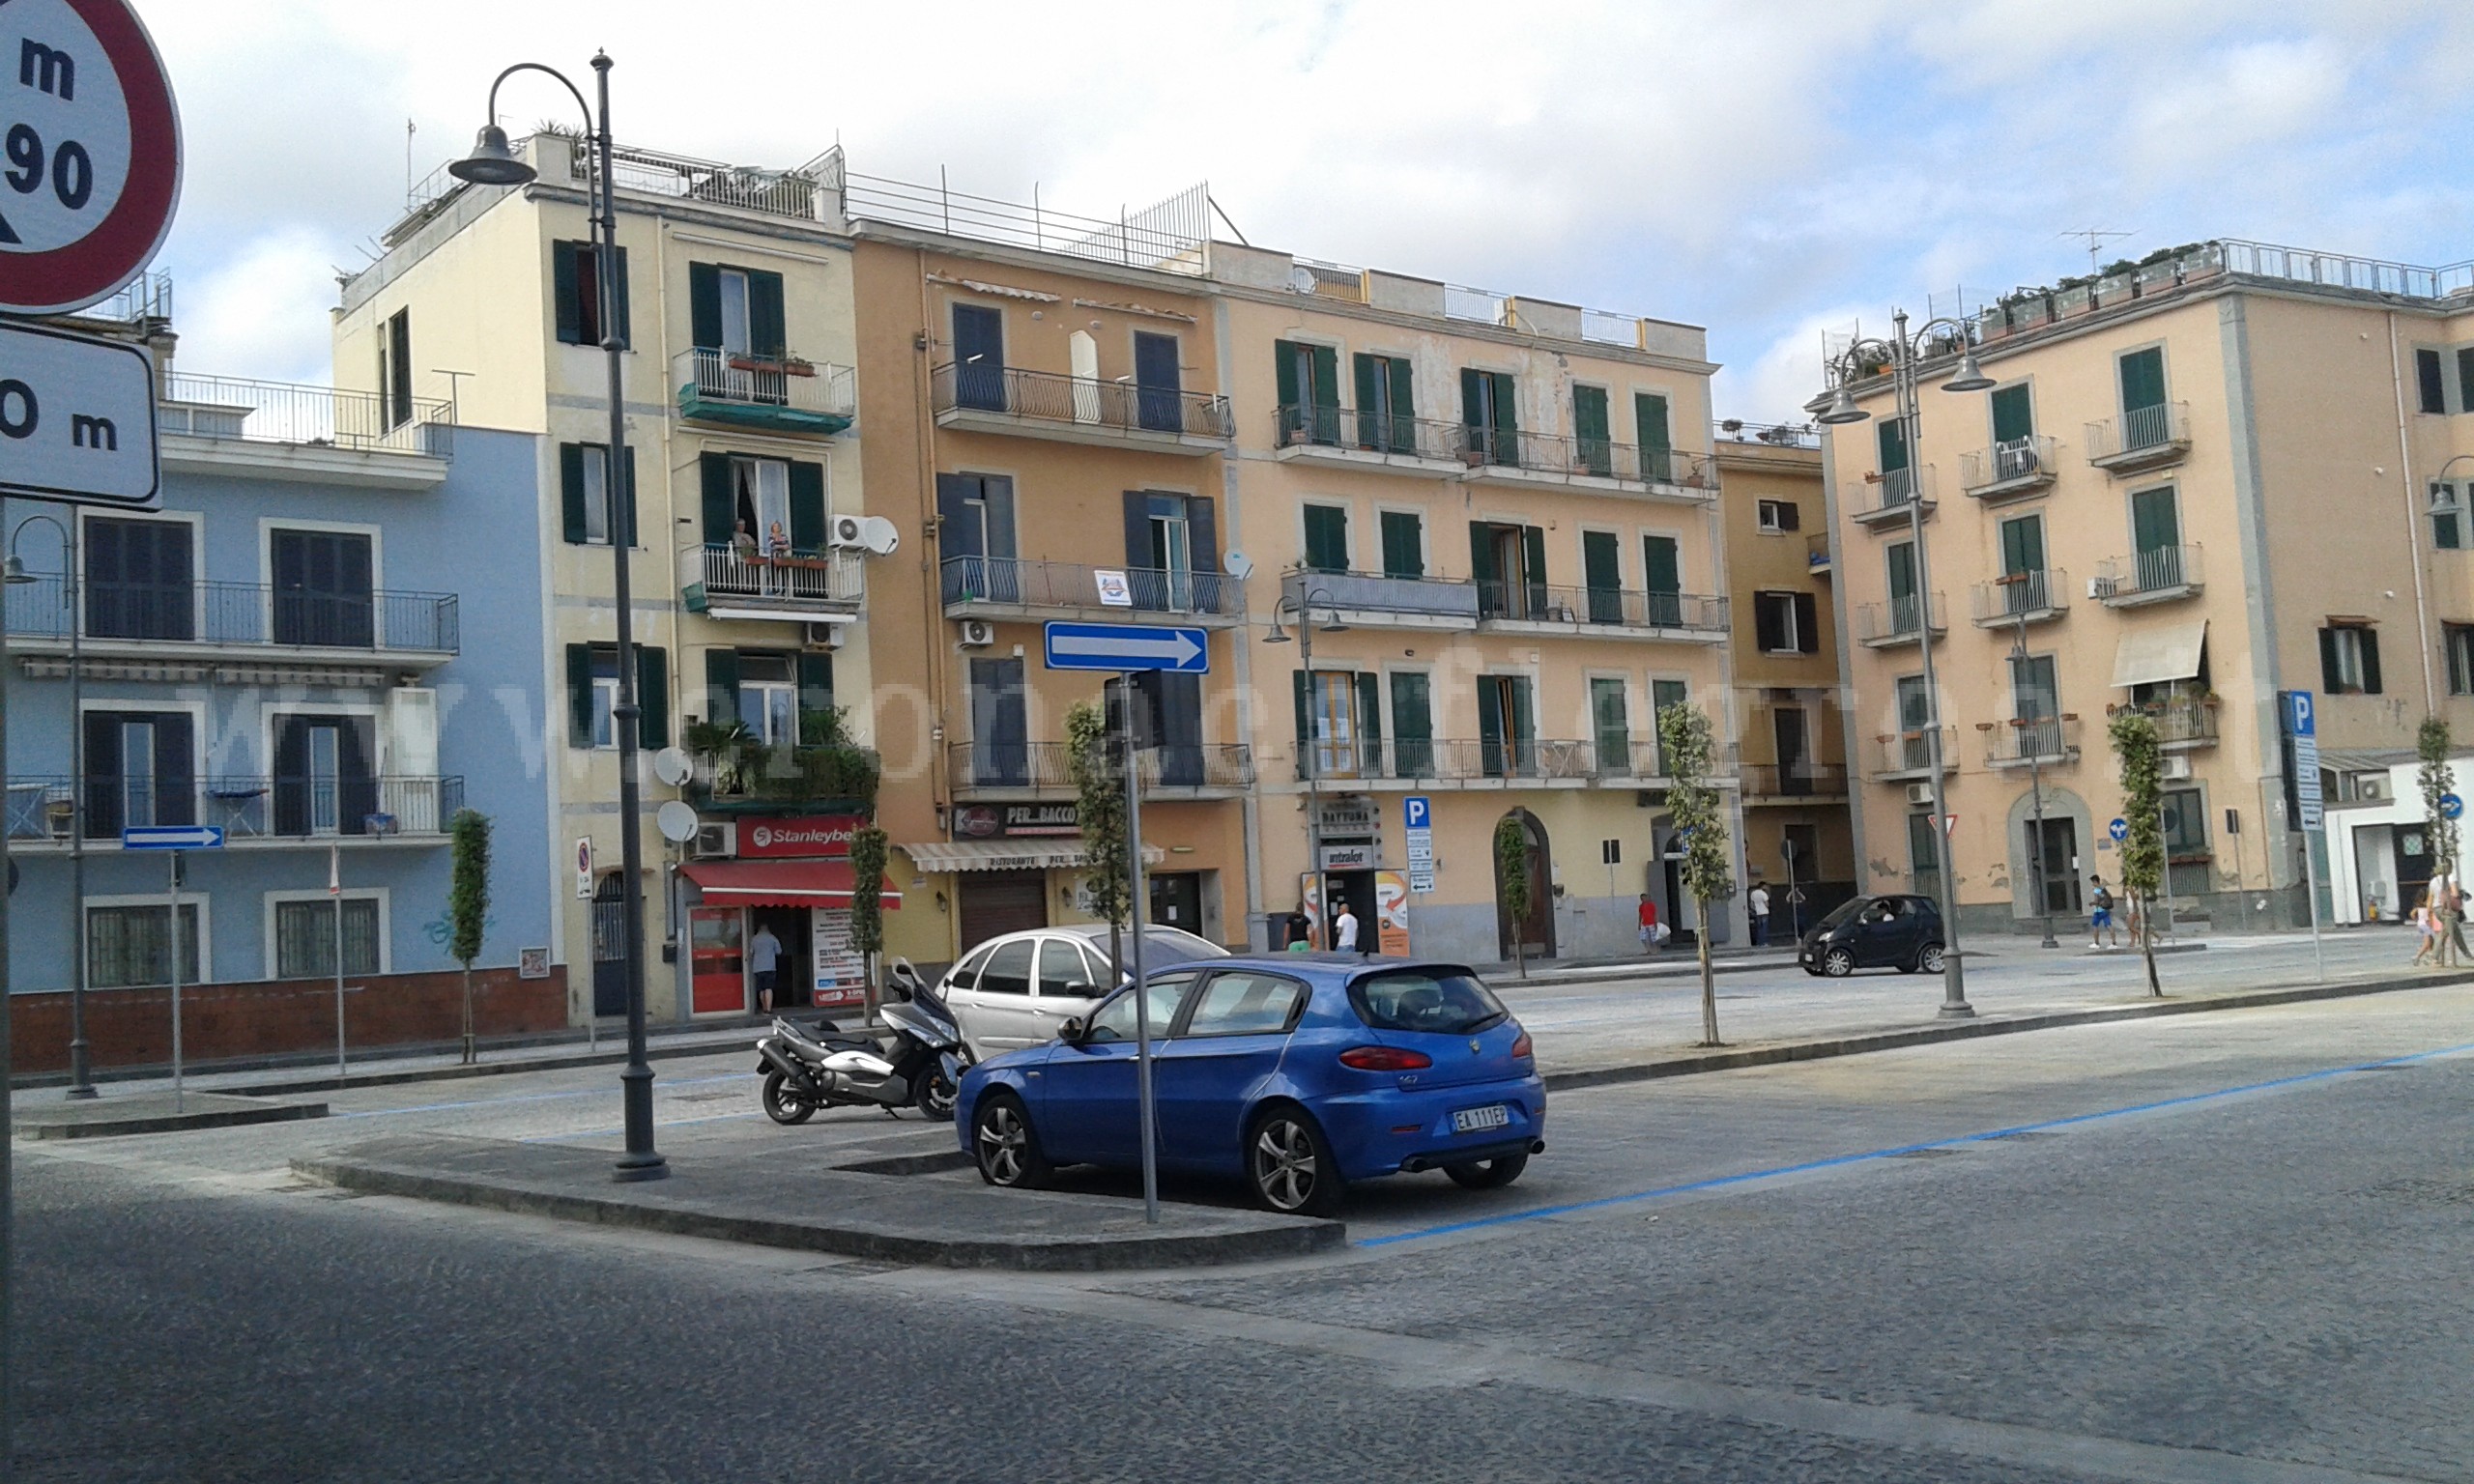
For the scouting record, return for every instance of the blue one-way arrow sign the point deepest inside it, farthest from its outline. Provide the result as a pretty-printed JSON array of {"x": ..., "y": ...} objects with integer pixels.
[
  {"x": 171, "y": 837},
  {"x": 1128, "y": 646}
]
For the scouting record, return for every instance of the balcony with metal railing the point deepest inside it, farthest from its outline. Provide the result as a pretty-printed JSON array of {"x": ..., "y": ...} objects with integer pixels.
[
  {"x": 250, "y": 809},
  {"x": 2032, "y": 597},
  {"x": 732, "y": 582},
  {"x": 2144, "y": 438},
  {"x": 1026, "y": 770},
  {"x": 1006, "y": 588},
  {"x": 1900, "y": 620},
  {"x": 1519, "y": 460},
  {"x": 1347, "y": 438},
  {"x": 2048, "y": 741},
  {"x": 1887, "y": 499},
  {"x": 771, "y": 394},
  {"x": 1605, "y": 612},
  {"x": 1079, "y": 409},
  {"x": 2008, "y": 470},
  {"x": 1803, "y": 783},
  {"x": 2159, "y": 575},
  {"x": 2183, "y": 723},
  {"x": 231, "y": 620},
  {"x": 1372, "y": 601},
  {"x": 1906, "y": 756},
  {"x": 290, "y": 431}
]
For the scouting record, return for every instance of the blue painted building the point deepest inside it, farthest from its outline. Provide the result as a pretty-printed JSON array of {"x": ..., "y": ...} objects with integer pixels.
[{"x": 327, "y": 640}]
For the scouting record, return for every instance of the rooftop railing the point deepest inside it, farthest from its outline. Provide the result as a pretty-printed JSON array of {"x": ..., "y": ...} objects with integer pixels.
[
  {"x": 799, "y": 194},
  {"x": 1777, "y": 435},
  {"x": 1045, "y": 396},
  {"x": 234, "y": 406},
  {"x": 1164, "y": 236}
]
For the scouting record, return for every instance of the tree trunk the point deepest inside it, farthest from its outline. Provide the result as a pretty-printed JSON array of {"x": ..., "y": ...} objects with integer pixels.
[
  {"x": 2148, "y": 945},
  {"x": 1519, "y": 951},
  {"x": 468, "y": 1015},
  {"x": 1709, "y": 981}
]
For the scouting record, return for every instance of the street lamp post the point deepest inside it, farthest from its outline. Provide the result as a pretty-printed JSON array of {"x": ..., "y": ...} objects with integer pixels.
[
  {"x": 1902, "y": 353},
  {"x": 81, "y": 1078},
  {"x": 492, "y": 163},
  {"x": 2037, "y": 799},
  {"x": 1308, "y": 761}
]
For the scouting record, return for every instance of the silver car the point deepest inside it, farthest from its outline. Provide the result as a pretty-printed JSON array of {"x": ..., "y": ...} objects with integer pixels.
[{"x": 1016, "y": 990}]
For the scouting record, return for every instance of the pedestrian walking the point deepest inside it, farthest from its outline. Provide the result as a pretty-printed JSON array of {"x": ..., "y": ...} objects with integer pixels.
[
  {"x": 2426, "y": 925},
  {"x": 1652, "y": 931},
  {"x": 1344, "y": 929},
  {"x": 1760, "y": 905},
  {"x": 2453, "y": 921},
  {"x": 2100, "y": 916},
  {"x": 764, "y": 957}
]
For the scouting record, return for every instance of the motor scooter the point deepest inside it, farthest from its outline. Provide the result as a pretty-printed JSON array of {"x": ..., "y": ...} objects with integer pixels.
[{"x": 916, "y": 1063}]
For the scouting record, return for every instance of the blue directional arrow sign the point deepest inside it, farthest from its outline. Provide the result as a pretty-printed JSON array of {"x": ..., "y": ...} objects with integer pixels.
[
  {"x": 1123, "y": 647},
  {"x": 2120, "y": 829},
  {"x": 172, "y": 836},
  {"x": 2451, "y": 806}
]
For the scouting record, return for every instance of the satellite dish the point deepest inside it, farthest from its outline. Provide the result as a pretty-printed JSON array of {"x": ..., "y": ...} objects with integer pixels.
[
  {"x": 671, "y": 766},
  {"x": 1238, "y": 565},
  {"x": 677, "y": 823},
  {"x": 878, "y": 535},
  {"x": 1302, "y": 280}
]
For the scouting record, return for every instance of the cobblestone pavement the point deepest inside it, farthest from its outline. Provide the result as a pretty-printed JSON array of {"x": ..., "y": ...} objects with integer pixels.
[{"x": 2220, "y": 1256}]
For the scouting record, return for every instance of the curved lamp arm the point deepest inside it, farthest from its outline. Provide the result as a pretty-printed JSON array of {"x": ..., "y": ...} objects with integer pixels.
[{"x": 539, "y": 67}]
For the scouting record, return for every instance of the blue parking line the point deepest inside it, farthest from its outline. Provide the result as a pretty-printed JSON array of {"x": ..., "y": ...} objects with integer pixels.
[
  {"x": 493, "y": 1102},
  {"x": 1721, "y": 1182}
]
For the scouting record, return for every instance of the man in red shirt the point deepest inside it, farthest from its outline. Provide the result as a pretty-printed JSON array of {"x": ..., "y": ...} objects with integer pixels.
[{"x": 1649, "y": 922}]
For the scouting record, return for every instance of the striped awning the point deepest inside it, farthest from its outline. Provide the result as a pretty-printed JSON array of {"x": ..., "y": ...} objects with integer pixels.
[
  {"x": 940, "y": 857},
  {"x": 778, "y": 883}
]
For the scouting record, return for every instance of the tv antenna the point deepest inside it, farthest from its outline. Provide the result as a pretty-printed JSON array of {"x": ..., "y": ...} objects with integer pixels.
[{"x": 2097, "y": 238}]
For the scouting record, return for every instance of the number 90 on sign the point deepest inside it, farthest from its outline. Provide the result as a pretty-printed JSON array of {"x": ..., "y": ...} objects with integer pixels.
[{"x": 66, "y": 154}]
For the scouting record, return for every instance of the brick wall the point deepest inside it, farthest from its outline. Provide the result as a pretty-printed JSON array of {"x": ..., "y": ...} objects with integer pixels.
[{"x": 133, "y": 1027}]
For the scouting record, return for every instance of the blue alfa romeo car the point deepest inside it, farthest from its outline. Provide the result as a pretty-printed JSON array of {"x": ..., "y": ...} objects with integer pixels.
[{"x": 1298, "y": 1073}]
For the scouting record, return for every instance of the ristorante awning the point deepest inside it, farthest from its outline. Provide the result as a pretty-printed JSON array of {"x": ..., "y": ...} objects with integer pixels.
[{"x": 778, "y": 883}]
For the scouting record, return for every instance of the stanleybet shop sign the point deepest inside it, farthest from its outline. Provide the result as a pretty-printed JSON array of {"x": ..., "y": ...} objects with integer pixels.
[{"x": 805, "y": 838}]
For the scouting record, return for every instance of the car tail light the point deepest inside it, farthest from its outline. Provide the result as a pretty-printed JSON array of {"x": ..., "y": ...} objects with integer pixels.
[
  {"x": 1521, "y": 1050},
  {"x": 1384, "y": 1059}
]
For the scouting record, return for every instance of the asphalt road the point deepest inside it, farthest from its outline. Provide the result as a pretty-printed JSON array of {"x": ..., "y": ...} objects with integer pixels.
[{"x": 2207, "y": 1248}]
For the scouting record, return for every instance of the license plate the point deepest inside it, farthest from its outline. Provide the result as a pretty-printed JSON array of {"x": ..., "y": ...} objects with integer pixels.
[{"x": 1472, "y": 1120}]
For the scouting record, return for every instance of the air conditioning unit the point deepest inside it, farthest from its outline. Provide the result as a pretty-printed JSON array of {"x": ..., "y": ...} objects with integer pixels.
[
  {"x": 978, "y": 633},
  {"x": 715, "y": 842},
  {"x": 2174, "y": 769},
  {"x": 850, "y": 531},
  {"x": 2373, "y": 786},
  {"x": 1919, "y": 793},
  {"x": 821, "y": 635}
]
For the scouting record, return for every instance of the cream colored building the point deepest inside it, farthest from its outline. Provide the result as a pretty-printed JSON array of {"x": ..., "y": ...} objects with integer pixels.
[
  {"x": 749, "y": 585},
  {"x": 2228, "y": 472}
]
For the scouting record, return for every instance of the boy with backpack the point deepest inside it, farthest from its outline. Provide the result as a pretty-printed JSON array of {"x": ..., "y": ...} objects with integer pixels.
[{"x": 2101, "y": 919}]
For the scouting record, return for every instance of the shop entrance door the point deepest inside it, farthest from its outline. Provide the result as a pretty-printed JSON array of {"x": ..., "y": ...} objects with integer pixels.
[
  {"x": 1176, "y": 899},
  {"x": 609, "y": 949},
  {"x": 998, "y": 903},
  {"x": 791, "y": 979},
  {"x": 716, "y": 961}
]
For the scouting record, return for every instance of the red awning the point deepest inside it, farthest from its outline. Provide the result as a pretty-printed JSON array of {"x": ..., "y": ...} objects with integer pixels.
[{"x": 778, "y": 883}]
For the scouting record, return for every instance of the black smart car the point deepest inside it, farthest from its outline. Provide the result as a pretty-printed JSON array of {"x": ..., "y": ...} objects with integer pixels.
[{"x": 1899, "y": 931}]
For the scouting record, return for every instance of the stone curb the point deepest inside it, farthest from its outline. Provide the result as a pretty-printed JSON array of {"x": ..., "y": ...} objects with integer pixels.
[
  {"x": 1036, "y": 1254},
  {"x": 170, "y": 1122},
  {"x": 1779, "y": 1052}
]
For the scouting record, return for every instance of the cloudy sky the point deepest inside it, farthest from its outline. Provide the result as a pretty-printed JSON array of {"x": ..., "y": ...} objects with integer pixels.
[{"x": 1767, "y": 168}]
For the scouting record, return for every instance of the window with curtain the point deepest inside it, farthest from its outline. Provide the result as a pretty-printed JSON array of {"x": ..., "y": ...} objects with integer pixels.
[{"x": 304, "y": 939}]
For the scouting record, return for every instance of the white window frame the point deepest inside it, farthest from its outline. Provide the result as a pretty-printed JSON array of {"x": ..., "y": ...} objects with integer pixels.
[
  {"x": 2348, "y": 650},
  {"x": 202, "y": 902},
  {"x": 766, "y": 691},
  {"x": 1763, "y": 511},
  {"x": 1787, "y": 600},
  {"x": 270, "y": 969}
]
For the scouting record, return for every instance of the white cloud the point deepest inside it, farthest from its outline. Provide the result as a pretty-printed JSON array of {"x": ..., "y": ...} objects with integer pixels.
[{"x": 260, "y": 312}]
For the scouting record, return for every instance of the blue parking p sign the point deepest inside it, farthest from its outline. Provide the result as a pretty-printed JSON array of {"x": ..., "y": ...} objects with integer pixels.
[{"x": 1417, "y": 811}]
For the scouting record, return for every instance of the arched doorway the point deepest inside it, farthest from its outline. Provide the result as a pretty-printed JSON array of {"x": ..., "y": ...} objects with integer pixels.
[{"x": 1535, "y": 928}]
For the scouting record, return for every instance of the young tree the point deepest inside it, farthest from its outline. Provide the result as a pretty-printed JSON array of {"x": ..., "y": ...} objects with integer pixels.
[
  {"x": 468, "y": 902},
  {"x": 1511, "y": 884},
  {"x": 1100, "y": 796},
  {"x": 1683, "y": 742},
  {"x": 2440, "y": 832},
  {"x": 868, "y": 849},
  {"x": 2142, "y": 866}
]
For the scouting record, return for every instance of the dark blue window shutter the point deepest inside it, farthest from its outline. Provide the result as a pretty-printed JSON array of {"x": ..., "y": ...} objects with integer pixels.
[
  {"x": 579, "y": 694},
  {"x": 807, "y": 507},
  {"x": 571, "y": 491},
  {"x": 704, "y": 305},
  {"x": 652, "y": 696},
  {"x": 721, "y": 686},
  {"x": 564, "y": 293},
  {"x": 764, "y": 325},
  {"x": 720, "y": 512}
]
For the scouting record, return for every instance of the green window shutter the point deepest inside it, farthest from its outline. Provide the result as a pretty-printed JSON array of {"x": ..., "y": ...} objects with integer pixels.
[
  {"x": 2023, "y": 545},
  {"x": 1305, "y": 697},
  {"x": 1807, "y": 623},
  {"x": 2143, "y": 375},
  {"x": 2330, "y": 671},
  {"x": 2013, "y": 417},
  {"x": 1370, "y": 375},
  {"x": 1369, "y": 721},
  {"x": 579, "y": 696},
  {"x": 2153, "y": 523},
  {"x": 1404, "y": 405},
  {"x": 704, "y": 305},
  {"x": 1662, "y": 564},
  {"x": 1589, "y": 426},
  {"x": 1612, "y": 728},
  {"x": 2465, "y": 380},
  {"x": 1533, "y": 551},
  {"x": 816, "y": 682},
  {"x": 1601, "y": 560},
  {"x": 714, "y": 469},
  {"x": 1648, "y": 415},
  {"x": 1327, "y": 394},
  {"x": 1472, "y": 399},
  {"x": 1285, "y": 357},
  {"x": 627, "y": 534},
  {"x": 1327, "y": 538},
  {"x": 626, "y": 336},
  {"x": 567, "y": 303},
  {"x": 764, "y": 325},
  {"x": 652, "y": 696},
  {"x": 1506, "y": 410},
  {"x": 1902, "y": 571},
  {"x": 2369, "y": 660},
  {"x": 1490, "y": 719},
  {"x": 571, "y": 491},
  {"x": 1889, "y": 434},
  {"x": 1412, "y": 709},
  {"x": 807, "y": 507},
  {"x": 1482, "y": 552},
  {"x": 1403, "y": 545},
  {"x": 721, "y": 686}
]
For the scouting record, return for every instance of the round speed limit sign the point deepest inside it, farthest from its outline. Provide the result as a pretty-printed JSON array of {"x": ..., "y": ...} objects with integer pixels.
[{"x": 90, "y": 153}]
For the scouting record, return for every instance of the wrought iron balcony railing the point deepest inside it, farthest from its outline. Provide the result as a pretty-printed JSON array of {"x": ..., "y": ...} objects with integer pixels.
[
  {"x": 1347, "y": 428},
  {"x": 2142, "y": 437},
  {"x": 780, "y": 393},
  {"x": 2005, "y": 468},
  {"x": 1448, "y": 760},
  {"x": 1079, "y": 401},
  {"x": 1551, "y": 453},
  {"x": 1908, "y": 754},
  {"x": 1798, "y": 780},
  {"x": 1601, "y": 606},
  {"x": 242, "y": 408},
  {"x": 2158, "y": 573},
  {"x": 1017, "y": 582},
  {"x": 2045, "y": 739},
  {"x": 244, "y": 806},
  {"x": 1892, "y": 493},
  {"x": 834, "y": 580},
  {"x": 2034, "y": 596},
  {"x": 1898, "y": 620},
  {"x": 1047, "y": 767},
  {"x": 236, "y": 614}
]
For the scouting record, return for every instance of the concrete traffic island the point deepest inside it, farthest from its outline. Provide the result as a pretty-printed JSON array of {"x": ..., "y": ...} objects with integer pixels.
[
  {"x": 103, "y": 1118},
  {"x": 770, "y": 1200}
]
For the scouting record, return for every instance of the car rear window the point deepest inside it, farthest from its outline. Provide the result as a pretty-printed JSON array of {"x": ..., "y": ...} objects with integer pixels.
[
  {"x": 1245, "y": 1005},
  {"x": 1442, "y": 1003}
]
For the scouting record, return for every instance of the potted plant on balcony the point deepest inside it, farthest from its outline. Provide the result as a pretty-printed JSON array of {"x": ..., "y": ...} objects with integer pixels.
[{"x": 726, "y": 753}]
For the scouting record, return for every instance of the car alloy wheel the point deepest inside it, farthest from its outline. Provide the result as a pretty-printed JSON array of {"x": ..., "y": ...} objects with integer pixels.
[
  {"x": 1838, "y": 964},
  {"x": 1008, "y": 1147},
  {"x": 1929, "y": 961},
  {"x": 1291, "y": 1165}
]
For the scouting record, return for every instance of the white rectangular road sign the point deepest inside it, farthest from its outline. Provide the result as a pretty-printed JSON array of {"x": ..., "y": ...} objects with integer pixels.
[{"x": 77, "y": 418}]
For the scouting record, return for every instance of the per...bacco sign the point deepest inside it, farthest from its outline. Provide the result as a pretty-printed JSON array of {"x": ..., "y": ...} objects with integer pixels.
[
  {"x": 807, "y": 837},
  {"x": 991, "y": 822}
]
